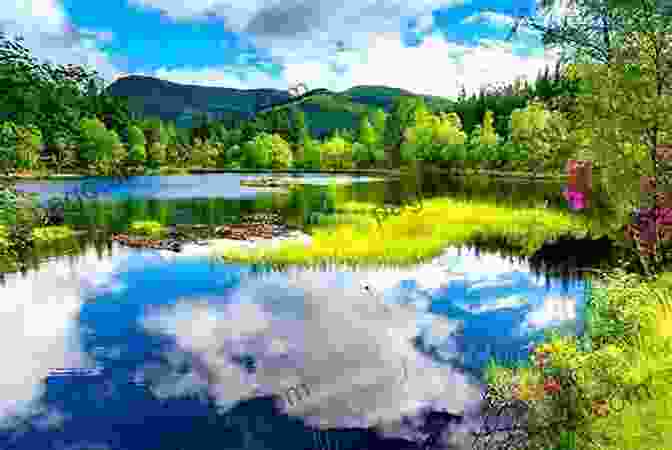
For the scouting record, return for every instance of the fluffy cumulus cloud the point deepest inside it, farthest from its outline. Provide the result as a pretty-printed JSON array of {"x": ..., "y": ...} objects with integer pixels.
[
  {"x": 39, "y": 331},
  {"x": 338, "y": 45},
  {"x": 354, "y": 355},
  {"x": 49, "y": 34},
  {"x": 435, "y": 67}
]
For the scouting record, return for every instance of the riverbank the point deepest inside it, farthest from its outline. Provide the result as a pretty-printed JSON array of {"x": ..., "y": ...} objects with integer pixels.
[{"x": 385, "y": 173}]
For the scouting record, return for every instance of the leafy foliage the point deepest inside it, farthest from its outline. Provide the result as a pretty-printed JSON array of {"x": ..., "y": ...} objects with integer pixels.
[{"x": 336, "y": 153}]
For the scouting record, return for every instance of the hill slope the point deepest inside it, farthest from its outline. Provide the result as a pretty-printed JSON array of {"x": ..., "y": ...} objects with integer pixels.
[{"x": 325, "y": 110}]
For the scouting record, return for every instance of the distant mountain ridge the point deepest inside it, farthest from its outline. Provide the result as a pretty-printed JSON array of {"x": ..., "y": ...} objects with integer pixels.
[{"x": 325, "y": 110}]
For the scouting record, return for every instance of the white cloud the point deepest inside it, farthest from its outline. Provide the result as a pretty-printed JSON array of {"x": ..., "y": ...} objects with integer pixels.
[
  {"x": 489, "y": 17},
  {"x": 436, "y": 67},
  {"x": 317, "y": 328},
  {"x": 39, "y": 328},
  {"x": 50, "y": 36}
]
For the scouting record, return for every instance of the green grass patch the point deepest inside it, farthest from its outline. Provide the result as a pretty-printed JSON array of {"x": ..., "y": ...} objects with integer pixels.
[
  {"x": 52, "y": 233},
  {"x": 413, "y": 237},
  {"x": 148, "y": 228}
]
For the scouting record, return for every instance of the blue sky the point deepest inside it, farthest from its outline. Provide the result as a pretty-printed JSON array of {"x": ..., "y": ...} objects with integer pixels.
[{"x": 425, "y": 46}]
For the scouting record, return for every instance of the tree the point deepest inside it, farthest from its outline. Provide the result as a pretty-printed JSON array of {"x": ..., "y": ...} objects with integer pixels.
[
  {"x": 256, "y": 154},
  {"x": 378, "y": 122},
  {"x": 336, "y": 153},
  {"x": 28, "y": 147},
  {"x": 119, "y": 155},
  {"x": 203, "y": 154},
  {"x": 281, "y": 153},
  {"x": 94, "y": 142},
  {"x": 299, "y": 129},
  {"x": 627, "y": 107},
  {"x": 136, "y": 143},
  {"x": 591, "y": 32},
  {"x": 311, "y": 154},
  {"x": 402, "y": 117},
  {"x": 488, "y": 135},
  {"x": 366, "y": 149},
  {"x": 8, "y": 145}
]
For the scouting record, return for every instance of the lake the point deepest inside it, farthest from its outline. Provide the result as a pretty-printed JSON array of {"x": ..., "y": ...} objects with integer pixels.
[{"x": 127, "y": 349}]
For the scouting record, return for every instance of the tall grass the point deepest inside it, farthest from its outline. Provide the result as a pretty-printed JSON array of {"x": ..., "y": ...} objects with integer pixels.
[{"x": 413, "y": 237}]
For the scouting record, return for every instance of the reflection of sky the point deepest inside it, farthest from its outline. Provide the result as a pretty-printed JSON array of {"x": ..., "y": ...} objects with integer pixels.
[
  {"x": 181, "y": 327},
  {"x": 225, "y": 186},
  {"x": 38, "y": 324}
]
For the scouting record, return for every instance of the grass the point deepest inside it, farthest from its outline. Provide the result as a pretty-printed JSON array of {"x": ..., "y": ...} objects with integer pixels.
[
  {"x": 52, "y": 233},
  {"x": 630, "y": 347},
  {"x": 413, "y": 238},
  {"x": 148, "y": 228}
]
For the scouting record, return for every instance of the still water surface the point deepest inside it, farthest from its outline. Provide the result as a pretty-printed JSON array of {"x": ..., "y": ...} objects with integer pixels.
[{"x": 186, "y": 352}]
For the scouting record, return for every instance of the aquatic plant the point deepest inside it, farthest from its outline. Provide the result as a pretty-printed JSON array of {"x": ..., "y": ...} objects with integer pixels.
[
  {"x": 414, "y": 237},
  {"x": 146, "y": 228}
]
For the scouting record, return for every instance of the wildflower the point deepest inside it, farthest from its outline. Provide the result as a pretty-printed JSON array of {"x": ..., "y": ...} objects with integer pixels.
[{"x": 551, "y": 386}]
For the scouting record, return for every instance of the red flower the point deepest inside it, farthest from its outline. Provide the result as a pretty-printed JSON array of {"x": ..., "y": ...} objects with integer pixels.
[{"x": 551, "y": 385}]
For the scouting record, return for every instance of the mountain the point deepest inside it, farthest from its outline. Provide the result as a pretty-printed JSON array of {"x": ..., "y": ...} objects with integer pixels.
[{"x": 324, "y": 110}]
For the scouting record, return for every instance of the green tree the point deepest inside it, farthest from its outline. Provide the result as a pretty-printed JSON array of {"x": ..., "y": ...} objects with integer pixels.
[
  {"x": 8, "y": 145},
  {"x": 94, "y": 146},
  {"x": 64, "y": 152},
  {"x": 119, "y": 155},
  {"x": 378, "y": 122},
  {"x": 299, "y": 129},
  {"x": 203, "y": 154},
  {"x": 256, "y": 154},
  {"x": 336, "y": 153},
  {"x": 402, "y": 117},
  {"x": 311, "y": 154},
  {"x": 136, "y": 143},
  {"x": 28, "y": 147}
]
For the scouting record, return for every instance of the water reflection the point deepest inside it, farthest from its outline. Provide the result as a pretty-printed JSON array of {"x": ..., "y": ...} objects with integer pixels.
[
  {"x": 193, "y": 352},
  {"x": 176, "y": 339}
]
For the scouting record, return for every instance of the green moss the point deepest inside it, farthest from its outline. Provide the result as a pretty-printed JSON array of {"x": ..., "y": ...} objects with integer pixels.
[
  {"x": 52, "y": 233},
  {"x": 146, "y": 228}
]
